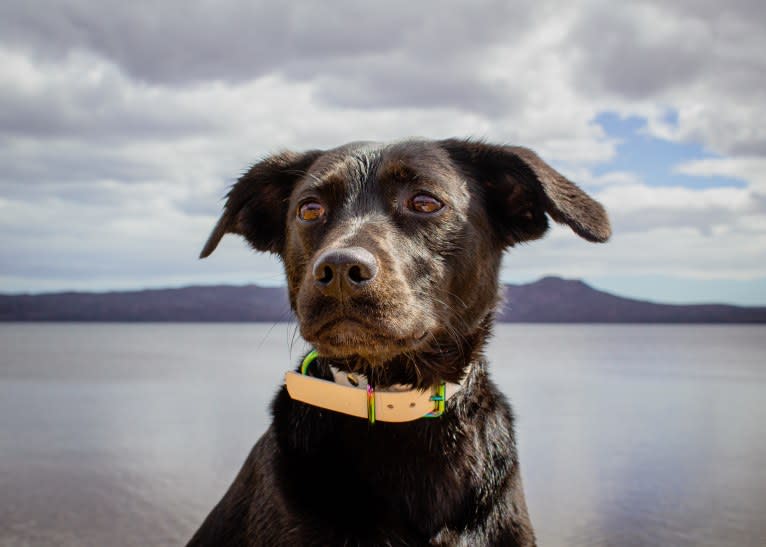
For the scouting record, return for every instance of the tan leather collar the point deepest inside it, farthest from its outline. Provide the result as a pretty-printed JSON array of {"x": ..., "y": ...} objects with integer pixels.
[{"x": 350, "y": 394}]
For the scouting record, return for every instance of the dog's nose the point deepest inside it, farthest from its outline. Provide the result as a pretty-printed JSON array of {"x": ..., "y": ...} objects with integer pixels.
[{"x": 345, "y": 269}]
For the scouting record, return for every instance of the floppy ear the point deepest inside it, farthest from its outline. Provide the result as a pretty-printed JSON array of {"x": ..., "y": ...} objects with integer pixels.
[
  {"x": 256, "y": 206},
  {"x": 520, "y": 188}
]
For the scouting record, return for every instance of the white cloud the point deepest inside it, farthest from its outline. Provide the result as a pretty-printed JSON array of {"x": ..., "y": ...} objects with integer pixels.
[{"x": 752, "y": 169}]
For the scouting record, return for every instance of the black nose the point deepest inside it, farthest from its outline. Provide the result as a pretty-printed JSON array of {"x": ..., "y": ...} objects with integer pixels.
[{"x": 344, "y": 270}]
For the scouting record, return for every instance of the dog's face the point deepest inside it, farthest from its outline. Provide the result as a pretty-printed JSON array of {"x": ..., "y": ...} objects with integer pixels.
[
  {"x": 383, "y": 248},
  {"x": 394, "y": 250}
]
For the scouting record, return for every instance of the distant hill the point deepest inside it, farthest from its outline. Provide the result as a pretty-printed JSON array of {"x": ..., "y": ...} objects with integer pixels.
[
  {"x": 209, "y": 303},
  {"x": 556, "y": 300},
  {"x": 549, "y": 300}
]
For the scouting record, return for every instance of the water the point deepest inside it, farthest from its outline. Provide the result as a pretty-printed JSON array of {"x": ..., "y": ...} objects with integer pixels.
[{"x": 128, "y": 434}]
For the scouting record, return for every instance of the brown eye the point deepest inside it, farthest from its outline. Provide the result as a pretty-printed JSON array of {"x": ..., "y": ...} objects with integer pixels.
[
  {"x": 423, "y": 203},
  {"x": 310, "y": 211}
]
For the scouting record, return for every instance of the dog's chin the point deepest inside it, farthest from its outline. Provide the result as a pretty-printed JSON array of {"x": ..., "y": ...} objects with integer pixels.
[{"x": 350, "y": 339}]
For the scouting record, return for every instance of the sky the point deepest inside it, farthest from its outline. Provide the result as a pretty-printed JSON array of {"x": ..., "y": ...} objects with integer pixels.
[{"x": 122, "y": 124}]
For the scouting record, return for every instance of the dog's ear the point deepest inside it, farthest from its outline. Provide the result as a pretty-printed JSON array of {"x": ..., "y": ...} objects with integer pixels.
[
  {"x": 520, "y": 188},
  {"x": 256, "y": 206}
]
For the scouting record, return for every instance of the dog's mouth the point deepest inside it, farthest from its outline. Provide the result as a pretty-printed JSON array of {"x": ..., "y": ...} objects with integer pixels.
[{"x": 351, "y": 336}]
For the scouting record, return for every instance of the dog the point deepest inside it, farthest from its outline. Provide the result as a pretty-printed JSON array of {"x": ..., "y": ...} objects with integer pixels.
[{"x": 390, "y": 432}]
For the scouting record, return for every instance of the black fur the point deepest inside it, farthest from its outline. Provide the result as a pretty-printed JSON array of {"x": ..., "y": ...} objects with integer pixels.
[{"x": 322, "y": 478}]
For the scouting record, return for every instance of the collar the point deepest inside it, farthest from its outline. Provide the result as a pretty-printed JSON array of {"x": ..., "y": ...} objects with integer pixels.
[{"x": 350, "y": 393}]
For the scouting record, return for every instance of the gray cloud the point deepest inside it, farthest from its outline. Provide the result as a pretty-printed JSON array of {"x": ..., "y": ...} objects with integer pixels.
[
  {"x": 22, "y": 163},
  {"x": 624, "y": 61},
  {"x": 105, "y": 116},
  {"x": 187, "y": 42},
  {"x": 394, "y": 82},
  {"x": 396, "y": 54},
  {"x": 645, "y": 48}
]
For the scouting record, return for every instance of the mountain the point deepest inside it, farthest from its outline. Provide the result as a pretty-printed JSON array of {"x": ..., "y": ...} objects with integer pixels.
[
  {"x": 556, "y": 300},
  {"x": 209, "y": 303},
  {"x": 549, "y": 300}
]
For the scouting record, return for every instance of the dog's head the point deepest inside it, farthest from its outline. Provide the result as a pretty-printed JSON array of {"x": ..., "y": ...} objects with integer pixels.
[{"x": 393, "y": 251}]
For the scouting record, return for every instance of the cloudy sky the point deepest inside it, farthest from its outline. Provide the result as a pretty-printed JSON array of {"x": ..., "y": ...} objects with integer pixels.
[{"x": 123, "y": 123}]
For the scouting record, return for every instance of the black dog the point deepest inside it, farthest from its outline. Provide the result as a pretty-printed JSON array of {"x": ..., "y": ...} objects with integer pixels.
[{"x": 392, "y": 254}]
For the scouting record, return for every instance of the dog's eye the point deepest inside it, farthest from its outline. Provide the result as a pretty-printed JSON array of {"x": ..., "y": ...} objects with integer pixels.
[
  {"x": 310, "y": 211},
  {"x": 423, "y": 203}
]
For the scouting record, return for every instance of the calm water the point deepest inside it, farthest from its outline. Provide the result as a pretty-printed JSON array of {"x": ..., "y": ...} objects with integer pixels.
[{"x": 128, "y": 434}]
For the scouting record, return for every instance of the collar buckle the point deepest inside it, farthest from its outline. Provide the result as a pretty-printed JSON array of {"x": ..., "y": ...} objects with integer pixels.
[{"x": 439, "y": 398}]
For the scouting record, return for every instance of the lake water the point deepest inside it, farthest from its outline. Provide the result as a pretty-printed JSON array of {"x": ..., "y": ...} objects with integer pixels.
[{"x": 128, "y": 434}]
